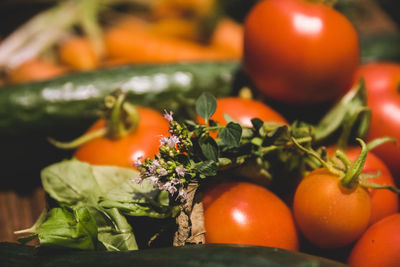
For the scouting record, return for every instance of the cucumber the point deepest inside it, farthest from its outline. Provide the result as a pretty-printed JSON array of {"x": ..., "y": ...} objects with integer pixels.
[
  {"x": 63, "y": 108},
  {"x": 72, "y": 100},
  {"x": 380, "y": 47},
  {"x": 189, "y": 256}
]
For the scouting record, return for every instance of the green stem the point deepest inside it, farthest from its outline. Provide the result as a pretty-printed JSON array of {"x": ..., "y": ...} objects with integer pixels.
[
  {"x": 80, "y": 140},
  {"x": 351, "y": 176},
  {"x": 326, "y": 165},
  {"x": 379, "y": 141}
]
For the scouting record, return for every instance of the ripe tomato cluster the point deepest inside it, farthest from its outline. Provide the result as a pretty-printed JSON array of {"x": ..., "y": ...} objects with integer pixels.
[{"x": 301, "y": 53}]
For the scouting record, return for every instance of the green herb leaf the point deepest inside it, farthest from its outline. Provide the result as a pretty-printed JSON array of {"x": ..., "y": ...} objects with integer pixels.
[
  {"x": 207, "y": 168},
  {"x": 231, "y": 134},
  {"x": 114, "y": 231},
  {"x": 206, "y": 106},
  {"x": 71, "y": 229},
  {"x": 209, "y": 148}
]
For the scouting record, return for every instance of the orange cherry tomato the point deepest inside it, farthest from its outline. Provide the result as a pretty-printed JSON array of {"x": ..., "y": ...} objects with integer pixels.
[
  {"x": 245, "y": 213},
  {"x": 383, "y": 201},
  {"x": 382, "y": 80},
  {"x": 299, "y": 52},
  {"x": 328, "y": 214},
  {"x": 243, "y": 110},
  {"x": 142, "y": 143},
  {"x": 379, "y": 245}
]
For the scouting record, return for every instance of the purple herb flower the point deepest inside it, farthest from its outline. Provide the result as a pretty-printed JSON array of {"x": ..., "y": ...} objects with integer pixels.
[
  {"x": 171, "y": 141},
  {"x": 168, "y": 116},
  {"x": 180, "y": 171}
]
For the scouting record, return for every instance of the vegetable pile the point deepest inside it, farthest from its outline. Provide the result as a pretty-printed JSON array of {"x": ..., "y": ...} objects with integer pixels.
[{"x": 239, "y": 168}]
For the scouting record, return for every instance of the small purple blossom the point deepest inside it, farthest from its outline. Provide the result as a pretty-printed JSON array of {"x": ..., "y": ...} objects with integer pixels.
[
  {"x": 171, "y": 141},
  {"x": 182, "y": 193},
  {"x": 154, "y": 166},
  {"x": 163, "y": 172},
  {"x": 180, "y": 171},
  {"x": 169, "y": 187},
  {"x": 168, "y": 115}
]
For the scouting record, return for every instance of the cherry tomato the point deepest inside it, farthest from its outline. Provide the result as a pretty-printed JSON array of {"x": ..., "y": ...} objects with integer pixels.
[
  {"x": 299, "y": 52},
  {"x": 142, "y": 143},
  {"x": 382, "y": 81},
  {"x": 379, "y": 245},
  {"x": 245, "y": 213},
  {"x": 243, "y": 110},
  {"x": 328, "y": 214},
  {"x": 383, "y": 201}
]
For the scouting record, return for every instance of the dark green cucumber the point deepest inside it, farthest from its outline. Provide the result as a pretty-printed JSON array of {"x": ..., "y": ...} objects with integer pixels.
[
  {"x": 380, "y": 47},
  {"x": 70, "y": 101},
  {"x": 12, "y": 255}
]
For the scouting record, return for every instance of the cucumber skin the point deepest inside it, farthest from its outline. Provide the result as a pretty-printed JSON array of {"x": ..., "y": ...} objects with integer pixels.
[
  {"x": 12, "y": 255},
  {"x": 72, "y": 101}
]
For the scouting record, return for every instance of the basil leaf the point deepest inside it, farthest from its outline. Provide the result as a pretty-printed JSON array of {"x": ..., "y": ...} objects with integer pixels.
[
  {"x": 206, "y": 105},
  {"x": 71, "y": 182},
  {"x": 231, "y": 134},
  {"x": 114, "y": 232},
  {"x": 71, "y": 229}
]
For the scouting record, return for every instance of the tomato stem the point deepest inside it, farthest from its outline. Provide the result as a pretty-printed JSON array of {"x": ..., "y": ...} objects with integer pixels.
[
  {"x": 351, "y": 177},
  {"x": 80, "y": 140},
  {"x": 326, "y": 165},
  {"x": 379, "y": 141}
]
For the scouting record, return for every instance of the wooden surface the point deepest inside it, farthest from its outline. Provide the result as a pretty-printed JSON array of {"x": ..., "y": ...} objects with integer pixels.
[{"x": 19, "y": 211}]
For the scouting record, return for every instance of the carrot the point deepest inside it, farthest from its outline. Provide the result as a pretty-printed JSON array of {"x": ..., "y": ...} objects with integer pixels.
[
  {"x": 178, "y": 8},
  {"x": 139, "y": 45},
  {"x": 228, "y": 35},
  {"x": 35, "y": 70},
  {"x": 78, "y": 53},
  {"x": 176, "y": 27}
]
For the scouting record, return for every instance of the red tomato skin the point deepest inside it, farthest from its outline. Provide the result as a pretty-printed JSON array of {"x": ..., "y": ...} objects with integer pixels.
[
  {"x": 379, "y": 245},
  {"x": 243, "y": 110},
  {"x": 299, "y": 52},
  {"x": 124, "y": 152},
  {"x": 245, "y": 213},
  {"x": 329, "y": 215},
  {"x": 383, "y": 201},
  {"x": 383, "y": 94}
]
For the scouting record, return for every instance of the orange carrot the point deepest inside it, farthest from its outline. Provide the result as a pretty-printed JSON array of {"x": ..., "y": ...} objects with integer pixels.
[
  {"x": 139, "y": 45},
  {"x": 35, "y": 70},
  {"x": 176, "y": 27},
  {"x": 78, "y": 53},
  {"x": 228, "y": 35}
]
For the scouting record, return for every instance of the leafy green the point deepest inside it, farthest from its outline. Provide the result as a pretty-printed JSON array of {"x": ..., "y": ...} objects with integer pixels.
[
  {"x": 69, "y": 228},
  {"x": 231, "y": 134},
  {"x": 206, "y": 105}
]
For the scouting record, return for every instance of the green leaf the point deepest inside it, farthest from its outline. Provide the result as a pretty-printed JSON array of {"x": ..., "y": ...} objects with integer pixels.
[
  {"x": 206, "y": 105},
  {"x": 207, "y": 168},
  {"x": 257, "y": 123},
  {"x": 343, "y": 113},
  {"x": 231, "y": 134},
  {"x": 139, "y": 200},
  {"x": 71, "y": 182},
  {"x": 209, "y": 148},
  {"x": 71, "y": 229},
  {"x": 114, "y": 231}
]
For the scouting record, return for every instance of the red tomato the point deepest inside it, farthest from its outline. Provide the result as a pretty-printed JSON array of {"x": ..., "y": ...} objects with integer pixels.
[
  {"x": 243, "y": 110},
  {"x": 245, "y": 213},
  {"x": 383, "y": 201},
  {"x": 299, "y": 52},
  {"x": 379, "y": 245},
  {"x": 142, "y": 143},
  {"x": 329, "y": 214},
  {"x": 382, "y": 82}
]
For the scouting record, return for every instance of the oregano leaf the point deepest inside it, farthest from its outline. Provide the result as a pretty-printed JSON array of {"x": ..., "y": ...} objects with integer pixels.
[
  {"x": 231, "y": 134},
  {"x": 206, "y": 106}
]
